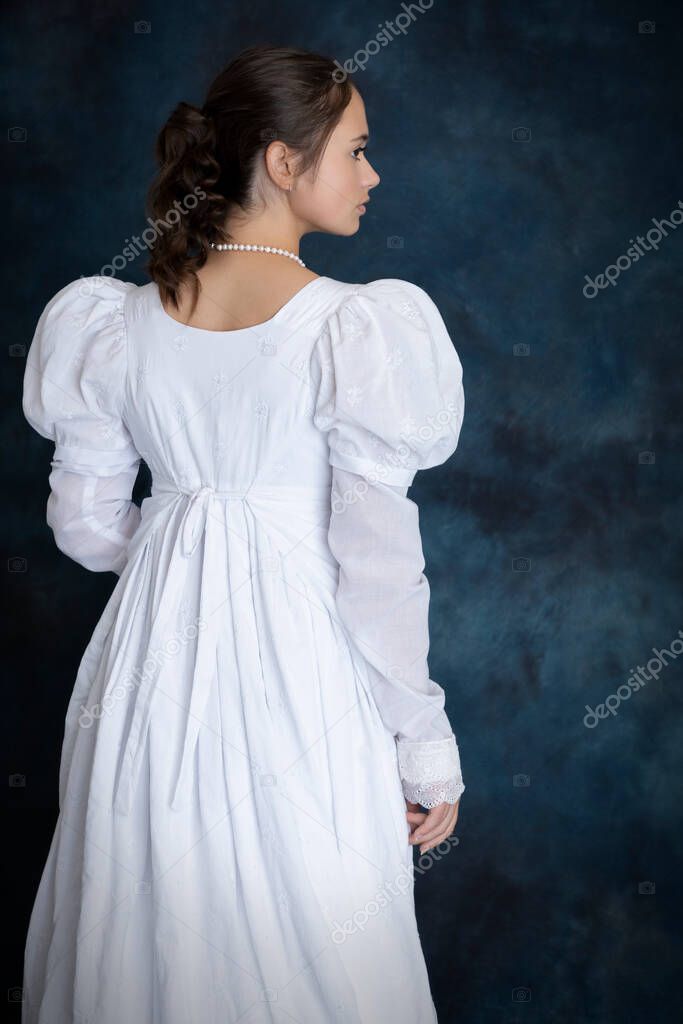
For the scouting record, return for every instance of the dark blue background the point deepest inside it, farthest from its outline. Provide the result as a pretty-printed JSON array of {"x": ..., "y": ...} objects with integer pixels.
[{"x": 537, "y": 914}]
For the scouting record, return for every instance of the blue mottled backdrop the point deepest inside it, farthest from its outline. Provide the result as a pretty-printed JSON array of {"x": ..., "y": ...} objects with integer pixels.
[{"x": 530, "y": 156}]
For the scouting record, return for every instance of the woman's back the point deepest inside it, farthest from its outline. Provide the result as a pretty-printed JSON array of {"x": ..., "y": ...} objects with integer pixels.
[
  {"x": 254, "y": 709},
  {"x": 230, "y": 409},
  {"x": 234, "y": 296},
  {"x": 245, "y": 684}
]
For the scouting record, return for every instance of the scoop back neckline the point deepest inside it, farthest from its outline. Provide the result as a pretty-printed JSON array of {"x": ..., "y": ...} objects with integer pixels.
[{"x": 238, "y": 330}]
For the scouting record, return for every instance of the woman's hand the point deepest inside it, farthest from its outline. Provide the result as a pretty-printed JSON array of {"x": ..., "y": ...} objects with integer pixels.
[{"x": 431, "y": 827}]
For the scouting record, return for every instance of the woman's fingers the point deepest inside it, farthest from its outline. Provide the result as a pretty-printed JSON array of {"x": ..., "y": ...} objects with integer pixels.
[
  {"x": 433, "y": 822},
  {"x": 416, "y": 818},
  {"x": 437, "y": 826},
  {"x": 428, "y": 844},
  {"x": 414, "y": 815}
]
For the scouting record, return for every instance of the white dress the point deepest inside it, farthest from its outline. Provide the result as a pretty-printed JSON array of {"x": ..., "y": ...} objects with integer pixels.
[{"x": 255, "y": 702}]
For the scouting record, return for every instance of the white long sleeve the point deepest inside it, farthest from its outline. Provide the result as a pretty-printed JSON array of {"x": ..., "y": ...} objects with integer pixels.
[
  {"x": 93, "y": 518},
  {"x": 73, "y": 392},
  {"x": 390, "y": 397}
]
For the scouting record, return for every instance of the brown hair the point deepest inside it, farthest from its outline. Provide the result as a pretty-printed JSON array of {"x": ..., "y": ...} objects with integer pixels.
[{"x": 208, "y": 156}]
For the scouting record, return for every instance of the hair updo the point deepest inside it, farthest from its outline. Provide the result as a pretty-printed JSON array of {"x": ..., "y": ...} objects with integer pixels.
[{"x": 207, "y": 156}]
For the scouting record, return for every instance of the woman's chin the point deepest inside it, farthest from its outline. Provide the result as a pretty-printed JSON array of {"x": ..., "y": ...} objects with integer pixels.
[{"x": 347, "y": 226}]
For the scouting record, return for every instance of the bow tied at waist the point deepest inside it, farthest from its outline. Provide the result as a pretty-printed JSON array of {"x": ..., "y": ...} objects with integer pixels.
[
  {"x": 197, "y": 520},
  {"x": 194, "y": 520}
]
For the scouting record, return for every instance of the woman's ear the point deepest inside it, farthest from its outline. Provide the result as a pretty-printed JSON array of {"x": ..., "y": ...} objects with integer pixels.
[{"x": 281, "y": 165}]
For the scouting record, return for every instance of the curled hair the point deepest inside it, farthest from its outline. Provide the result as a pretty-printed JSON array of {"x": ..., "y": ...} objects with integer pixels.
[{"x": 208, "y": 156}]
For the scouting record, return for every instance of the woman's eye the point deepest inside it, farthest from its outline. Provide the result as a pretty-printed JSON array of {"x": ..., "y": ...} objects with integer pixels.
[{"x": 361, "y": 149}]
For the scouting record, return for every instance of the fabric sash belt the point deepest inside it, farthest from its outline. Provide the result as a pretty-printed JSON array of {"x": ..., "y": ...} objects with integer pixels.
[{"x": 196, "y": 521}]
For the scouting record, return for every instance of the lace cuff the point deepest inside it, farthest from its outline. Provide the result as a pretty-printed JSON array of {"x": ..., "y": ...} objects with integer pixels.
[{"x": 430, "y": 771}]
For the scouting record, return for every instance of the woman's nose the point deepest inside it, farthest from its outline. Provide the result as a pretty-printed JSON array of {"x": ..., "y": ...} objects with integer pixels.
[{"x": 373, "y": 179}]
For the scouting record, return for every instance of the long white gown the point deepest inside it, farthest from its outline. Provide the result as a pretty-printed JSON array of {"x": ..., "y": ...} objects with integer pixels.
[{"x": 255, "y": 701}]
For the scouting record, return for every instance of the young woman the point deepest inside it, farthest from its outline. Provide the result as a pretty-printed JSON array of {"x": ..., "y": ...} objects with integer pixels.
[{"x": 253, "y": 744}]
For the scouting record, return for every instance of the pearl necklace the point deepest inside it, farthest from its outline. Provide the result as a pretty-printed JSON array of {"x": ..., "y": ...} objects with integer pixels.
[{"x": 257, "y": 248}]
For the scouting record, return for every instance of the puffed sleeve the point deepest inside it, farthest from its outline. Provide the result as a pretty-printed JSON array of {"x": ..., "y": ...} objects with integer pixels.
[
  {"x": 388, "y": 393},
  {"x": 73, "y": 392}
]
